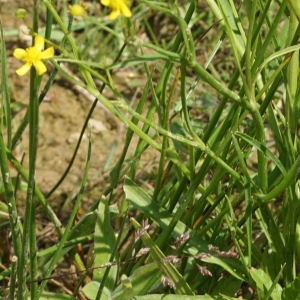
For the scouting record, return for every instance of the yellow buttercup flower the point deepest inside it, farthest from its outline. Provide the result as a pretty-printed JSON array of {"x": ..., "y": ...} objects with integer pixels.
[
  {"x": 77, "y": 10},
  {"x": 33, "y": 56},
  {"x": 119, "y": 7}
]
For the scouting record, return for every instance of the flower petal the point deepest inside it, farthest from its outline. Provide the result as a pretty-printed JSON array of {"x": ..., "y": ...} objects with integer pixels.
[
  {"x": 105, "y": 2},
  {"x": 20, "y": 53},
  {"x": 24, "y": 69},
  {"x": 48, "y": 53},
  {"x": 125, "y": 10},
  {"x": 39, "y": 42},
  {"x": 114, "y": 14},
  {"x": 40, "y": 67}
]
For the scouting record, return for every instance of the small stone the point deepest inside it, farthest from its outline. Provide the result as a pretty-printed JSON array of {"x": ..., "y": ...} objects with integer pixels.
[
  {"x": 73, "y": 138},
  {"x": 97, "y": 126}
]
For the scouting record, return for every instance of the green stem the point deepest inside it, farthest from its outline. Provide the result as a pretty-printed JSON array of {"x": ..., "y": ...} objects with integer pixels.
[
  {"x": 218, "y": 86},
  {"x": 28, "y": 240},
  {"x": 35, "y": 82},
  {"x": 250, "y": 50},
  {"x": 10, "y": 200},
  {"x": 13, "y": 277},
  {"x": 261, "y": 157},
  {"x": 29, "y": 235},
  {"x": 184, "y": 104},
  {"x": 292, "y": 84},
  {"x": 5, "y": 97}
]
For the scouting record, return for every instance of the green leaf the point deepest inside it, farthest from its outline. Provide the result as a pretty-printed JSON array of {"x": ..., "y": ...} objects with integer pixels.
[
  {"x": 181, "y": 286},
  {"x": 85, "y": 226},
  {"x": 137, "y": 280},
  {"x": 235, "y": 268},
  {"x": 264, "y": 283},
  {"x": 90, "y": 290},
  {"x": 104, "y": 245},
  {"x": 113, "y": 211}
]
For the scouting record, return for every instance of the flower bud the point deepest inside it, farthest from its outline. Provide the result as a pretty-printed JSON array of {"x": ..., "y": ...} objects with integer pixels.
[{"x": 21, "y": 13}]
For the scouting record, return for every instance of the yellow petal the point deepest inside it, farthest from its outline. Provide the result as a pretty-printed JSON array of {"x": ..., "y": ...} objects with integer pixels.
[
  {"x": 24, "y": 69},
  {"x": 40, "y": 67},
  {"x": 20, "y": 53},
  {"x": 125, "y": 10},
  {"x": 114, "y": 14},
  {"x": 48, "y": 53},
  {"x": 39, "y": 42},
  {"x": 105, "y": 2}
]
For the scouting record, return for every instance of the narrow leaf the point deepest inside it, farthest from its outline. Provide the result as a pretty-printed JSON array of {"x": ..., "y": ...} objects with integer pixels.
[{"x": 104, "y": 244}]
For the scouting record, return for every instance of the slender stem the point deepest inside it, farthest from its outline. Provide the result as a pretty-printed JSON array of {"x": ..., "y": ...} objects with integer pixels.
[
  {"x": 292, "y": 77},
  {"x": 29, "y": 217},
  {"x": 262, "y": 160},
  {"x": 13, "y": 277},
  {"x": 33, "y": 145},
  {"x": 218, "y": 86},
  {"x": 10, "y": 199},
  {"x": 29, "y": 235},
  {"x": 249, "y": 50},
  {"x": 184, "y": 104},
  {"x": 5, "y": 97}
]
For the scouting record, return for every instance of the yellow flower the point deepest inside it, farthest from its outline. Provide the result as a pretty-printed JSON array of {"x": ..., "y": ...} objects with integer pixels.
[
  {"x": 119, "y": 7},
  {"x": 33, "y": 56},
  {"x": 77, "y": 10}
]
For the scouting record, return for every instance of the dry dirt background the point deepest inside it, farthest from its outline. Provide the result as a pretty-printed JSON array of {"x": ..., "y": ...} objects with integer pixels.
[{"x": 62, "y": 116}]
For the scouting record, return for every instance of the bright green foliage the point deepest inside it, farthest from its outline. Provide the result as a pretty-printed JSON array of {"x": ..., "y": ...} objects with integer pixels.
[{"x": 104, "y": 245}]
